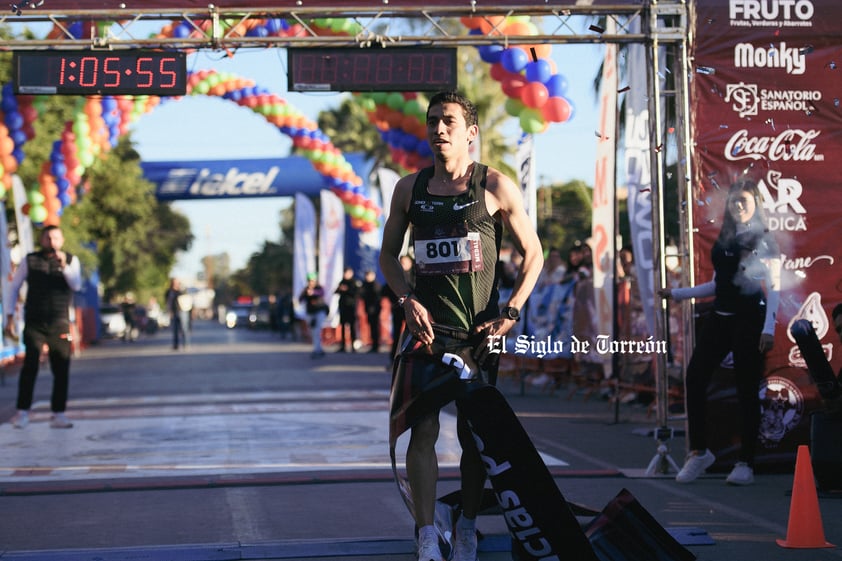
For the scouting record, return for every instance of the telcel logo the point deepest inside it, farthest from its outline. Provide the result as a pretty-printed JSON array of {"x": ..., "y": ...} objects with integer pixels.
[
  {"x": 771, "y": 10},
  {"x": 233, "y": 183}
]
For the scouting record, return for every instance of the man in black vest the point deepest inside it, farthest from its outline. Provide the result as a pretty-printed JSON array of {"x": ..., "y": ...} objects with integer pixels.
[{"x": 52, "y": 276}]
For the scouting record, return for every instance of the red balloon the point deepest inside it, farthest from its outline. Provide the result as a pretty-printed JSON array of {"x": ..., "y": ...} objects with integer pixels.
[
  {"x": 556, "y": 110},
  {"x": 534, "y": 94},
  {"x": 498, "y": 73},
  {"x": 513, "y": 85}
]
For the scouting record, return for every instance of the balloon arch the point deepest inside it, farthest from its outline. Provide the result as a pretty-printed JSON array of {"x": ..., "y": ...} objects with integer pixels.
[
  {"x": 535, "y": 96},
  {"x": 99, "y": 122}
]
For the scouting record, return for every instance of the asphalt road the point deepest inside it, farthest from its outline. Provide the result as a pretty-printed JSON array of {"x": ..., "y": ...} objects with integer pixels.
[{"x": 242, "y": 447}]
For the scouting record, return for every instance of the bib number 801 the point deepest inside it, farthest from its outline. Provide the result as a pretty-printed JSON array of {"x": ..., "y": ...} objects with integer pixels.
[{"x": 442, "y": 249}]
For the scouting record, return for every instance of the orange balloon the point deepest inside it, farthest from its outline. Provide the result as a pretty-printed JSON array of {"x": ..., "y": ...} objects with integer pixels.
[
  {"x": 518, "y": 28},
  {"x": 471, "y": 23},
  {"x": 491, "y": 23},
  {"x": 543, "y": 51},
  {"x": 6, "y": 145}
]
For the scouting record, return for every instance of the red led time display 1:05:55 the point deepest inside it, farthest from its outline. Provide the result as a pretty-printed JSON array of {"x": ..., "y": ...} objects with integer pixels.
[{"x": 95, "y": 72}]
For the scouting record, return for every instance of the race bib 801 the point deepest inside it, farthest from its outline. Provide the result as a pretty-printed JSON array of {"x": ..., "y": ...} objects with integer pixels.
[{"x": 447, "y": 250}]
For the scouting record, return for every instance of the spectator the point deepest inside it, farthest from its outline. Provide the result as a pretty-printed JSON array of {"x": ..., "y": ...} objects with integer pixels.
[
  {"x": 745, "y": 287},
  {"x": 175, "y": 301},
  {"x": 348, "y": 291},
  {"x": 313, "y": 297},
  {"x": 371, "y": 296},
  {"x": 51, "y": 275}
]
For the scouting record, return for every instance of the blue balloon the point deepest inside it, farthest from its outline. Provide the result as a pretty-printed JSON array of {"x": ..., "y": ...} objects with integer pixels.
[
  {"x": 275, "y": 26},
  {"x": 409, "y": 143},
  {"x": 538, "y": 71},
  {"x": 64, "y": 198},
  {"x": 58, "y": 169},
  {"x": 424, "y": 149},
  {"x": 14, "y": 121},
  {"x": 18, "y": 154},
  {"x": 18, "y": 136},
  {"x": 76, "y": 29},
  {"x": 490, "y": 53},
  {"x": 109, "y": 104},
  {"x": 9, "y": 103},
  {"x": 514, "y": 59},
  {"x": 257, "y": 31},
  {"x": 556, "y": 85},
  {"x": 182, "y": 31}
]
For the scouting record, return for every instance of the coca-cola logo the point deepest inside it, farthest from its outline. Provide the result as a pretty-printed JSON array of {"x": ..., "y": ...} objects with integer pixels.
[{"x": 791, "y": 145}]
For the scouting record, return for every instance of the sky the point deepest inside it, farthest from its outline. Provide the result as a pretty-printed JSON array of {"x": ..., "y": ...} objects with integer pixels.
[{"x": 206, "y": 128}]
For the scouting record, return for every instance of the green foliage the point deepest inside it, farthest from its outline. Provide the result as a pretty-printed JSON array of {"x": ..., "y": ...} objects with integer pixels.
[
  {"x": 134, "y": 238},
  {"x": 564, "y": 214}
]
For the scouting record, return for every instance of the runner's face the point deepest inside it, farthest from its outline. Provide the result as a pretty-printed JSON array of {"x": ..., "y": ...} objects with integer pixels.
[{"x": 447, "y": 131}]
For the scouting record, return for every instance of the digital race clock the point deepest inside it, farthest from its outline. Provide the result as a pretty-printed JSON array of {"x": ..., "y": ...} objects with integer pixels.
[
  {"x": 126, "y": 72},
  {"x": 371, "y": 70}
]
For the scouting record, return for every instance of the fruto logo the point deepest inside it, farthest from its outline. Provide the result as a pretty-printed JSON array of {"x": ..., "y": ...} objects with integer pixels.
[{"x": 762, "y": 13}]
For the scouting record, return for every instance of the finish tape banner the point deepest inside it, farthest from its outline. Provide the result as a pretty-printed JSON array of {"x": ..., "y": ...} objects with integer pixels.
[{"x": 765, "y": 104}]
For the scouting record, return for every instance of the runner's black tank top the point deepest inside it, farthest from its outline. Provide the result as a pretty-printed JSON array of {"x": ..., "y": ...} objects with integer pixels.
[{"x": 457, "y": 244}]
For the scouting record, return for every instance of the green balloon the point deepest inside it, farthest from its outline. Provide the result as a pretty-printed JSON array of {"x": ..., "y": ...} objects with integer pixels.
[
  {"x": 514, "y": 107},
  {"x": 395, "y": 100},
  {"x": 531, "y": 121},
  {"x": 37, "y": 213},
  {"x": 35, "y": 197}
]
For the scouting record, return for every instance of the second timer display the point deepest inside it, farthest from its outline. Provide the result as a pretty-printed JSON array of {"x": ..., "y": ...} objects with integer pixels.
[{"x": 376, "y": 69}]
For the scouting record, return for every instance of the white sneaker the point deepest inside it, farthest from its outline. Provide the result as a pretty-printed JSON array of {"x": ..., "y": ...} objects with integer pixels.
[
  {"x": 60, "y": 421},
  {"x": 465, "y": 542},
  {"x": 21, "y": 419},
  {"x": 695, "y": 465},
  {"x": 742, "y": 474},
  {"x": 429, "y": 551}
]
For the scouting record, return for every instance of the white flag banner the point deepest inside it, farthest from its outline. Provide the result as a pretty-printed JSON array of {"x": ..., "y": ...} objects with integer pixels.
[
  {"x": 26, "y": 241},
  {"x": 331, "y": 250},
  {"x": 387, "y": 179},
  {"x": 639, "y": 175},
  {"x": 304, "y": 260},
  {"x": 526, "y": 175},
  {"x": 602, "y": 224}
]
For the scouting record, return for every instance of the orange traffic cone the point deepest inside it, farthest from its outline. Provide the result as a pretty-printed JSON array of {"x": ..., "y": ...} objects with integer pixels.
[{"x": 805, "y": 528}]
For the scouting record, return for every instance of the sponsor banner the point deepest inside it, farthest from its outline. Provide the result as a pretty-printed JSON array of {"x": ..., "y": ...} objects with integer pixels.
[
  {"x": 604, "y": 196},
  {"x": 222, "y": 179},
  {"x": 279, "y": 5},
  {"x": 526, "y": 176},
  {"x": 331, "y": 249},
  {"x": 766, "y": 104},
  {"x": 639, "y": 175},
  {"x": 304, "y": 241}
]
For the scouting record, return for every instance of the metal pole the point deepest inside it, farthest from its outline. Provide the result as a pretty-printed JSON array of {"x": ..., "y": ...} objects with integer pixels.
[{"x": 661, "y": 462}]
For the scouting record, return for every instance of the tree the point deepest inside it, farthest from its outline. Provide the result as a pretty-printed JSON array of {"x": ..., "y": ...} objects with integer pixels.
[
  {"x": 564, "y": 214},
  {"x": 120, "y": 228}
]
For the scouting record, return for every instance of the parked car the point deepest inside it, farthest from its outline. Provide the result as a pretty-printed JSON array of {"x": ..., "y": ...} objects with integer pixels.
[
  {"x": 261, "y": 315},
  {"x": 237, "y": 315},
  {"x": 112, "y": 322}
]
